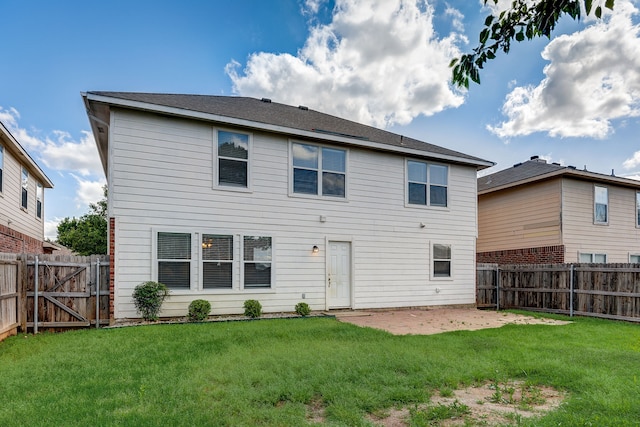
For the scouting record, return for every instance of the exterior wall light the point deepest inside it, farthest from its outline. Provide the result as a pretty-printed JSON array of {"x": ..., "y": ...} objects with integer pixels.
[{"x": 315, "y": 249}]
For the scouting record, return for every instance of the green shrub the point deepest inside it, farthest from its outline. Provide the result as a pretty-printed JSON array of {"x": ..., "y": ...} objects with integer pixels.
[
  {"x": 148, "y": 298},
  {"x": 303, "y": 309},
  {"x": 199, "y": 310},
  {"x": 252, "y": 308}
]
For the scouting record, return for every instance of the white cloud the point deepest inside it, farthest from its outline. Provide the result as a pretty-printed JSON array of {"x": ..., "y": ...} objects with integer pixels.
[
  {"x": 592, "y": 79},
  {"x": 51, "y": 228},
  {"x": 88, "y": 191},
  {"x": 57, "y": 151},
  {"x": 377, "y": 62},
  {"x": 632, "y": 162}
]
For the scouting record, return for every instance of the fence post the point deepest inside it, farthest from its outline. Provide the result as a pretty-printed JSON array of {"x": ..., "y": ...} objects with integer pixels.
[
  {"x": 35, "y": 296},
  {"x": 497, "y": 288},
  {"x": 97, "y": 293},
  {"x": 571, "y": 292}
]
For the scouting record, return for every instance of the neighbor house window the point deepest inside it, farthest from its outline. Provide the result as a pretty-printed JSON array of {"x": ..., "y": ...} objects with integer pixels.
[
  {"x": 427, "y": 183},
  {"x": 592, "y": 258},
  {"x": 634, "y": 259},
  {"x": 319, "y": 170},
  {"x": 39, "y": 200},
  {"x": 441, "y": 260},
  {"x": 217, "y": 261},
  {"x": 25, "y": 189},
  {"x": 638, "y": 209},
  {"x": 256, "y": 260},
  {"x": 601, "y": 205},
  {"x": 174, "y": 259},
  {"x": 1, "y": 165},
  {"x": 233, "y": 159}
]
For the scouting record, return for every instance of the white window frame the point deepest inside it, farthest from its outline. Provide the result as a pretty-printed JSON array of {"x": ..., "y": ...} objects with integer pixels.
[
  {"x": 242, "y": 262},
  {"x": 216, "y": 161},
  {"x": 434, "y": 259},
  {"x": 632, "y": 256},
  {"x": 637, "y": 209},
  {"x": 192, "y": 262},
  {"x": 593, "y": 254},
  {"x": 319, "y": 171},
  {"x": 428, "y": 185},
  {"x": 595, "y": 203},
  {"x": 1, "y": 169},
  {"x": 39, "y": 199},
  {"x": 24, "y": 189},
  {"x": 202, "y": 261}
]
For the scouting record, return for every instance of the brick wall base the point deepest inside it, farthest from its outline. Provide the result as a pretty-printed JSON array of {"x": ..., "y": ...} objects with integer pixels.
[
  {"x": 14, "y": 242},
  {"x": 540, "y": 255}
]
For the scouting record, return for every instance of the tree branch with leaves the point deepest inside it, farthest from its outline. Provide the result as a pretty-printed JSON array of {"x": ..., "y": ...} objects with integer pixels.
[{"x": 525, "y": 19}]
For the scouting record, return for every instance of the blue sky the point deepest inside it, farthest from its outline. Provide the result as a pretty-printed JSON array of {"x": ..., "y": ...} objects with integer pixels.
[{"x": 574, "y": 99}]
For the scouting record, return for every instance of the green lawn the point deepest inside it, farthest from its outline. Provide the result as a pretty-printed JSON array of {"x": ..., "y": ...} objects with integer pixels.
[{"x": 271, "y": 372}]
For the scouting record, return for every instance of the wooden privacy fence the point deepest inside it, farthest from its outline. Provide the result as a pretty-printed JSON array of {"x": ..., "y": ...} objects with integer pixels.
[
  {"x": 610, "y": 291},
  {"x": 53, "y": 291}
]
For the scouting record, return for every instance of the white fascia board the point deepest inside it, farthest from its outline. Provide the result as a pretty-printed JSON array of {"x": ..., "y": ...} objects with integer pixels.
[{"x": 282, "y": 129}]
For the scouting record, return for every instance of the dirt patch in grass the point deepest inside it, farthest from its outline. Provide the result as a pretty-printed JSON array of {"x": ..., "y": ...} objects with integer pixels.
[
  {"x": 489, "y": 404},
  {"x": 437, "y": 320}
]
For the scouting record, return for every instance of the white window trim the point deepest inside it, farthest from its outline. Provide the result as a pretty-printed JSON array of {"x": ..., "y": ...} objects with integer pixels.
[
  {"x": 594, "y": 206},
  {"x": 432, "y": 260},
  {"x": 24, "y": 170},
  {"x": 406, "y": 185},
  {"x": 319, "y": 196},
  {"x": 216, "y": 175},
  {"x": 593, "y": 254},
  {"x": 192, "y": 262},
  {"x": 4, "y": 178},
  {"x": 196, "y": 285},
  {"x": 637, "y": 210},
  {"x": 632, "y": 254},
  {"x": 40, "y": 189}
]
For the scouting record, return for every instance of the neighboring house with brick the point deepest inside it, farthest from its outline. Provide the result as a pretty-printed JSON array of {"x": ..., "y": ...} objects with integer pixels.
[
  {"x": 22, "y": 185},
  {"x": 232, "y": 198},
  {"x": 536, "y": 212}
]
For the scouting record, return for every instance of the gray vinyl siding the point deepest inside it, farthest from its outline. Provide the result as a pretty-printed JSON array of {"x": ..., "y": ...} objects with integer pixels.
[{"x": 162, "y": 178}]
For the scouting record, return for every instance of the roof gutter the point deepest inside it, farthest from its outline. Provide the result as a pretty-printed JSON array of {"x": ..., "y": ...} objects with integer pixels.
[{"x": 138, "y": 105}]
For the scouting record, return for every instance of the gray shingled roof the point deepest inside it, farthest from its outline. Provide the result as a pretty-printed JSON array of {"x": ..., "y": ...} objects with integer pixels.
[
  {"x": 534, "y": 170},
  {"x": 272, "y": 113}
]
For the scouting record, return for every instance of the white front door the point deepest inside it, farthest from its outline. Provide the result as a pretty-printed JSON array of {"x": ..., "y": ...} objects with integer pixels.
[{"x": 339, "y": 275}]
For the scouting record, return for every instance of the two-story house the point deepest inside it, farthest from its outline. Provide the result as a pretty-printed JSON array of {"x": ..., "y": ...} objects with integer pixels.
[
  {"x": 233, "y": 198},
  {"x": 537, "y": 212},
  {"x": 22, "y": 185}
]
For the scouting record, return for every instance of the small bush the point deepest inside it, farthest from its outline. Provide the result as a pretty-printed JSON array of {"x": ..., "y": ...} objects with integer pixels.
[
  {"x": 148, "y": 298},
  {"x": 199, "y": 310},
  {"x": 252, "y": 308},
  {"x": 303, "y": 309}
]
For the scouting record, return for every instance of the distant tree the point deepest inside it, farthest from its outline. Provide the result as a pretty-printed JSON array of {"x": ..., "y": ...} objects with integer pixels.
[
  {"x": 525, "y": 19},
  {"x": 86, "y": 235}
]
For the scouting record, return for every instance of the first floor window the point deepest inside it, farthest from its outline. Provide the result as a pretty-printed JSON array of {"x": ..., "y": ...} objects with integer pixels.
[
  {"x": 441, "y": 260},
  {"x": 427, "y": 183},
  {"x": 592, "y": 258},
  {"x": 601, "y": 205},
  {"x": 634, "y": 259},
  {"x": 25, "y": 189},
  {"x": 217, "y": 261},
  {"x": 174, "y": 260},
  {"x": 233, "y": 159},
  {"x": 257, "y": 262}
]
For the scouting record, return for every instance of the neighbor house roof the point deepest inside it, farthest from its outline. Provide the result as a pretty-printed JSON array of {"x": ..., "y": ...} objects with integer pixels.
[
  {"x": 537, "y": 169},
  {"x": 265, "y": 115},
  {"x": 13, "y": 146}
]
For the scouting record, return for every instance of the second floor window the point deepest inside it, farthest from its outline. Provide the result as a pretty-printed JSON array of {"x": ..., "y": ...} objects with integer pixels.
[
  {"x": 233, "y": 159},
  {"x": 1, "y": 165},
  {"x": 39, "y": 200},
  {"x": 638, "y": 209},
  {"x": 320, "y": 171},
  {"x": 25, "y": 189},
  {"x": 601, "y": 205},
  {"x": 427, "y": 184}
]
